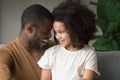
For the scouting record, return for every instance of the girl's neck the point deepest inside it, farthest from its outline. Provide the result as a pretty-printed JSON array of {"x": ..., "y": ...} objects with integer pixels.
[{"x": 71, "y": 48}]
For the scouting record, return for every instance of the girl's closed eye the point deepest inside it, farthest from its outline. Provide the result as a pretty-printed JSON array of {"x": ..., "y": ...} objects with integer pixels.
[{"x": 61, "y": 32}]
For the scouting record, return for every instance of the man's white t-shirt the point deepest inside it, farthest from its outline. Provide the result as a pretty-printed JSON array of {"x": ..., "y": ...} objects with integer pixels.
[{"x": 68, "y": 65}]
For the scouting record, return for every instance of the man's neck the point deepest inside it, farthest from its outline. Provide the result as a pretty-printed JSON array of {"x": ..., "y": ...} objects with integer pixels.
[{"x": 36, "y": 54}]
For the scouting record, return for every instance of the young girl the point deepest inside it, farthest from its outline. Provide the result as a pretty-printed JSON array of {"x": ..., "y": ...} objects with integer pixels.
[{"x": 73, "y": 58}]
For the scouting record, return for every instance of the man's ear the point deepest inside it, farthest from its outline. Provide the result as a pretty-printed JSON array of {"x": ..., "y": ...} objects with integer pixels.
[{"x": 29, "y": 28}]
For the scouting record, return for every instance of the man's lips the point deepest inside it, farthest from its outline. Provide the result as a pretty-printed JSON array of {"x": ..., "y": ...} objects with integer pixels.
[{"x": 45, "y": 41}]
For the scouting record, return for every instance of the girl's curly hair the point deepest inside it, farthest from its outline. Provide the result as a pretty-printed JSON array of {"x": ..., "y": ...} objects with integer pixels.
[{"x": 78, "y": 20}]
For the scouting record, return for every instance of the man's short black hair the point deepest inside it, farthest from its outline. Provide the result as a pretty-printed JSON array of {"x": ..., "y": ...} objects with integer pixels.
[{"x": 34, "y": 14}]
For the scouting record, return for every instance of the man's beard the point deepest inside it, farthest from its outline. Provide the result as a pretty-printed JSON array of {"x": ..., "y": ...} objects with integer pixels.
[
  {"x": 35, "y": 42},
  {"x": 35, "y": 45}
]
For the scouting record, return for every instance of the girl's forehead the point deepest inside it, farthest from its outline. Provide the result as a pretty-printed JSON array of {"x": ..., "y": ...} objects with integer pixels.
[{"x": 58, "y": 24}]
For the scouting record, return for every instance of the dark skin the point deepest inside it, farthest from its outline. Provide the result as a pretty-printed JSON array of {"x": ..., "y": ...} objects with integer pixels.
[{"x": 32, "y": 38}]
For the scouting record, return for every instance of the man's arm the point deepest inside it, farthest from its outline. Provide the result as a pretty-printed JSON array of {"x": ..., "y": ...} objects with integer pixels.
[
  {"x": 4, "y": 72},
  {"x": 5, "y": 63}
]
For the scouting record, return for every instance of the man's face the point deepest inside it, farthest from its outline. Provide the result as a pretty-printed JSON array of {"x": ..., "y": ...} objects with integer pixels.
[{"x": 41, "y": 35}]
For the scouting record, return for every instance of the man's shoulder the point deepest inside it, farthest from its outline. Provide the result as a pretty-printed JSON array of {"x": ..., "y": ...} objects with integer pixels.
[
  {"x": 4, "y": 49},
  {"x": 5, "y": 53}
]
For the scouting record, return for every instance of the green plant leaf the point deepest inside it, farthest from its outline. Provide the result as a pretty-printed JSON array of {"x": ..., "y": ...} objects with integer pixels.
[
  {"x": 109, "y": 9},
  {"x": 108, "y": 20},
  {"x": 110, "y": 31},
  {"x": 102, "y": 23},
  {"x": 117, "y": 38},
  {"x": 117, "y": 28},
  {"x": 104, "y": 44},
  {"x": 108, "y": 14}
]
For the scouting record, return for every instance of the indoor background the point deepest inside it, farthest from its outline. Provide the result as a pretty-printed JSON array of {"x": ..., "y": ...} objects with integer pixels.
[{"x": 11, "y": 11}]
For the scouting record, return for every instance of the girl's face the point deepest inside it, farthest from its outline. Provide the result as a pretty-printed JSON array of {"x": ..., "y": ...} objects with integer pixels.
[{"x": 61, "y": 34}]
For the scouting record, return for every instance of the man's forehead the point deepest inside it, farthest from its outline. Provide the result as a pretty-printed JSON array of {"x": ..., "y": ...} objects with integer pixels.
[
  {"x": 47, "y": 24},
  {"x": 45, "y": 21}
]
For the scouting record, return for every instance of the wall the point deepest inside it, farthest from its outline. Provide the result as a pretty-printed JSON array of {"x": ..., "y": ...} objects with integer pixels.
[
  {"x": 0, "y": 21},
  {"x": 90, "y": 6}
]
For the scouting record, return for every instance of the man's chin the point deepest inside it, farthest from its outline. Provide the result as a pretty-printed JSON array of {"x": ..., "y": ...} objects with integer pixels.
[{"x": 42, "y": 45}]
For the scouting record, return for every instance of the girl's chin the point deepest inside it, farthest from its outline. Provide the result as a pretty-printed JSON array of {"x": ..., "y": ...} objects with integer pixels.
[{"x": 63, "y": 45}]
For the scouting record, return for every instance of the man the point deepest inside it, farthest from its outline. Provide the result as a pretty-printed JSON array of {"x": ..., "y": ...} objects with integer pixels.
[{"x": 18, "y": 59}]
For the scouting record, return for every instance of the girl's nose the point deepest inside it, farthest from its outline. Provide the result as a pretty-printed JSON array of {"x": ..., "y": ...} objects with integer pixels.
[{"x": 57, "y": 36}]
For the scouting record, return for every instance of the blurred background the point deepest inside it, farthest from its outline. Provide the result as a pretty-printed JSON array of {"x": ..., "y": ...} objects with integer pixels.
[{"x": 11, "y": 11}]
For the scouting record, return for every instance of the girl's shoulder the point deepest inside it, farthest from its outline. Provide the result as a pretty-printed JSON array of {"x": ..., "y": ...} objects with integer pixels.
[
  {"x": 54, "y": 48},
  {"x": 88, "y": 48}
]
